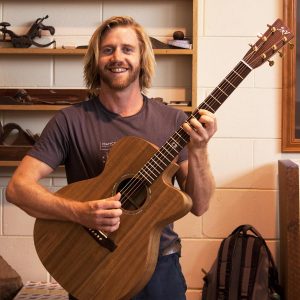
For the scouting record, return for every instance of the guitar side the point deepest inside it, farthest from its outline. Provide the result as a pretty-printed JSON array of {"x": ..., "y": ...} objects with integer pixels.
[{"x": 88, "y": 270}]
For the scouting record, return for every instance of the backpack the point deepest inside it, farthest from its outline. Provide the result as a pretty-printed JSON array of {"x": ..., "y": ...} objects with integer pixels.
[{"x": 244, "y": 269}]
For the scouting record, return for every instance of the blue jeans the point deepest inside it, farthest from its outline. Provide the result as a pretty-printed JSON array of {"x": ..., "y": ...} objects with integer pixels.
[{"x": 166, "y": 283}]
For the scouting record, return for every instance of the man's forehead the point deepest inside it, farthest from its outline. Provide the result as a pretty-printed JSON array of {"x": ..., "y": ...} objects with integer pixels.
[{"x": 119, "y": 33}]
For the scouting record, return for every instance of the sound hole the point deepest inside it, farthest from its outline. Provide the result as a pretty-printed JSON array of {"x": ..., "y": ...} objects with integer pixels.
[{"x": 133, "y": 193}]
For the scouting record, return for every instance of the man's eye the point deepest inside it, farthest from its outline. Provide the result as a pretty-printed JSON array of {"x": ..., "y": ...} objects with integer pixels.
[
  {"x": 107, "y": 50},
  {"x": 127, "y": 50}
]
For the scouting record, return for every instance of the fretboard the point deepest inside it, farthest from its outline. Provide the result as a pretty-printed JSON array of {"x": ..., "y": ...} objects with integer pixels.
[{"x": 166, "y": 154}]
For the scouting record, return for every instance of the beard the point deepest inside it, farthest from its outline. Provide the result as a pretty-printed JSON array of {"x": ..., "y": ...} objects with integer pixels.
[{"x": 121, "y": 83}]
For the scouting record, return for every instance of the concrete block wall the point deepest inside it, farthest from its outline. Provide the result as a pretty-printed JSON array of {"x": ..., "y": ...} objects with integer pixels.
[{"x": 243, "y": 153}]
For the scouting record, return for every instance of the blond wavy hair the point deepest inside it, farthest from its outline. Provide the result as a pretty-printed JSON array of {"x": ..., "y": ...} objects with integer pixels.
[{"x": 91, "y": 69}]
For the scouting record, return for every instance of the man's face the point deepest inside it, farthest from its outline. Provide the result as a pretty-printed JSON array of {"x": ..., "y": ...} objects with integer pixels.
[{"x": 119, "y": 59}]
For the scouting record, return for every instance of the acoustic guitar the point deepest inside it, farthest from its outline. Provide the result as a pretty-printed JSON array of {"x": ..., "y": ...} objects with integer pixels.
[{"x": 92, "y": 265}]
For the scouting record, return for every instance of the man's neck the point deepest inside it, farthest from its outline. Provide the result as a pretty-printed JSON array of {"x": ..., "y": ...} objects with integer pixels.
[{"x": 125, "y": 103}]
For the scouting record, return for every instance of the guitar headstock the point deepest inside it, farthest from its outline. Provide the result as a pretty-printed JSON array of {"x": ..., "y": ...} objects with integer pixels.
[{"x": 268, "y": 44}]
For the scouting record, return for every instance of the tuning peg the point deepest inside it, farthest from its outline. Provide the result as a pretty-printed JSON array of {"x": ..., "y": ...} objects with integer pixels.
[
  {"x": 261, "y": 36},
  {"x": 254, "y": 48},
  {"x": 271, "y": 62},
  {"x": 280, "y": 53},
  {"x": 291, "y": 45},
  {"x": 272, "y": 28}
]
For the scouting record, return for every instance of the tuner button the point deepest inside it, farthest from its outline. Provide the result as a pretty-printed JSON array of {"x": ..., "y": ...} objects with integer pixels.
[
  {"x": 254, "y": 48},
  {"x": 291, "y": 45},
  {"x": 271, "y": 63},
  {"x": 273, "y": 29}
]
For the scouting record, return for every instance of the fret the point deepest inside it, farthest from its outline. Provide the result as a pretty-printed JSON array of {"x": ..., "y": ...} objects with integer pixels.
[
  {"x": 155, "y": 162},
  {"x": 222, "y": 91},
  {"x": 165, "y": 149},
  {"x": 166, "y": 154},
  {"x": 156, "y": 156},
  {"x": 215, "y": 98},
  {"x": 221, "y": 97},
  {"x": 166, "y": 158},
  {"x": 238, "y": 74},
  {"x": 230, "y": 83},
  {"x": 228, "y": 88},
  {"x": 210, "y": 108},
  {"x": 140, "y": 173},
  {"x": 181, "y": 137},
  {"x": 148, "y": 172},
  {"x": 173, "y": 144}
]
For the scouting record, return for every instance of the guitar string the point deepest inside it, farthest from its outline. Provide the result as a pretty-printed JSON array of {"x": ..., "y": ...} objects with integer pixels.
[
  {"x": 134, "y": 188},
  {"x": 206, "y": 103},
  {"x": 136, "y": 183}
]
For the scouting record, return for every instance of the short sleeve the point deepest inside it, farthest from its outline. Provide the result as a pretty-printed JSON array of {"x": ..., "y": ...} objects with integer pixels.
[{"x": 52, "y": 146}]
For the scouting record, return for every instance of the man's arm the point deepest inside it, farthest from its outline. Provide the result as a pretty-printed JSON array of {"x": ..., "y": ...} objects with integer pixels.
[
  {"x": 24, "y": 191},
  {"x": 195, "y": 176}
]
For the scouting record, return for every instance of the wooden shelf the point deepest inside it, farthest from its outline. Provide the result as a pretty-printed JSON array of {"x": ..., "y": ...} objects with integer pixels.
[
  {"x": 72, "y": 52},
  {"x": 31, "y": 107},
  {"x": 52, "y": 53},
  {"x": 9, "y": 163},
  {"x": 34, "y": 107},
  {"x": 15, "y": 163}
]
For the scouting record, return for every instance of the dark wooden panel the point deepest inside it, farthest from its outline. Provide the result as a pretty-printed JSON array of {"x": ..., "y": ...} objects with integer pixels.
[{"x": 288, "y": 172}]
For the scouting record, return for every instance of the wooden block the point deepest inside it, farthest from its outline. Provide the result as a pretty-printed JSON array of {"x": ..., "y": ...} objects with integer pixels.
[{"x": 10, "y": 281}]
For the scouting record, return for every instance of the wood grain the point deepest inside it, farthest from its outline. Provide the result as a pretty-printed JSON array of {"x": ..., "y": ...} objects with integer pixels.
[
  {"x": 289, "y": 142},
  {"x": 89, "y": 271},
  {"x": 289, "y": 228}
]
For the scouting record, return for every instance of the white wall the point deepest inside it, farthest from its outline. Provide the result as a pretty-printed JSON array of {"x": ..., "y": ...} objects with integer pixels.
[{"x": 243, "y": 153}]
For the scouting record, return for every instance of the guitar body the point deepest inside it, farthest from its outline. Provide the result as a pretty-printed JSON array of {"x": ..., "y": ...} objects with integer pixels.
[{"x": 85, "y": 268}]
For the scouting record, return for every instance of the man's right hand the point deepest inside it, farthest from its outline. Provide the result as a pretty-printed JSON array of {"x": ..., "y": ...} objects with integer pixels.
[{"x": 103, "y": 215}]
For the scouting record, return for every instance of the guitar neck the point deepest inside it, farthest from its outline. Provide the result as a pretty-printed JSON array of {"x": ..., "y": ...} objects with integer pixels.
[
  {"x": 218, "y": 96},
  {"x": 166, "y": 154}
]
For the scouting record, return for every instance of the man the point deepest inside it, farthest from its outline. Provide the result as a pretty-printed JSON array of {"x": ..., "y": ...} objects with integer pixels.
[{"x": 119, "y": 66}]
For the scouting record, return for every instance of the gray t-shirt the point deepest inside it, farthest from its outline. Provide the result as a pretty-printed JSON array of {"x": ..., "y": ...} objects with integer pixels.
[{"x": 81, "y": 136}]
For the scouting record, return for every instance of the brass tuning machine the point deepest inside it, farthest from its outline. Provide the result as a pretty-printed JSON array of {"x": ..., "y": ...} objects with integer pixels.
[{"x": 272, "y": 28}]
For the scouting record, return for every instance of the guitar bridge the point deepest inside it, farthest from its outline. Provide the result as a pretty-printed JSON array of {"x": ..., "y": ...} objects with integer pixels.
[{"x": 101, "y": 239}]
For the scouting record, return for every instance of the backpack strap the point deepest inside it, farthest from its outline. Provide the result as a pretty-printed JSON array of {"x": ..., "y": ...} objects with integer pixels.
[
  {"x": 247, "y": 279},
  {"x": 225, "y": 254},
  {"x": 273, "y": 272}
]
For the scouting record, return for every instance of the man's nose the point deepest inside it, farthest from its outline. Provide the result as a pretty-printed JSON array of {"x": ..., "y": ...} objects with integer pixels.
[{"x": 117, "y": 55}]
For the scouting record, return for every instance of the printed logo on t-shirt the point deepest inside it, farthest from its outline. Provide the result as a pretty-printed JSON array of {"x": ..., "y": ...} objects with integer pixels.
[{"x": 104, "y": 150}]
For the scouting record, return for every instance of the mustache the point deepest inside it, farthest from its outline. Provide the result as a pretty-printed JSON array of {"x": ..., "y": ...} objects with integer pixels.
[{"x": 116, "y": 64}]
